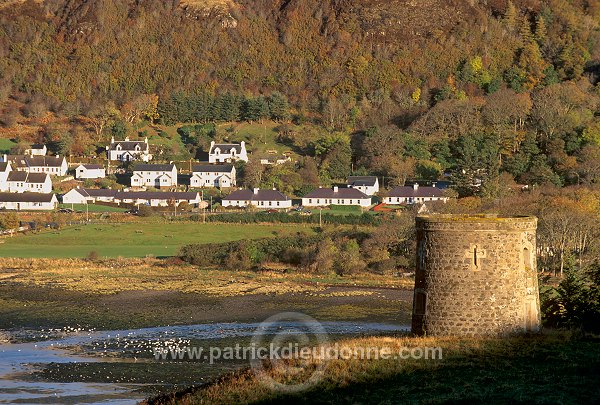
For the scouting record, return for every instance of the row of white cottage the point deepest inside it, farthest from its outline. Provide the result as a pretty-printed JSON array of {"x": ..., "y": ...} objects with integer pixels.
[{"x": 322, "y": 197}]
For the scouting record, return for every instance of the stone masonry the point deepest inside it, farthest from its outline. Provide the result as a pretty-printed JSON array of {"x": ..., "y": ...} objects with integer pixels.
[{"x": 476, "y": 276}]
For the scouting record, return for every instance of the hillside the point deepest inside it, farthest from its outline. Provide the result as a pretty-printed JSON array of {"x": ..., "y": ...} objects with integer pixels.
[{"x": 398, "y": 88}]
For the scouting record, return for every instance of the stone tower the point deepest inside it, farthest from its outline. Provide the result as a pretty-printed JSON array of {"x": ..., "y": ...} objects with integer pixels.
[{"x": 476, "y": 276}]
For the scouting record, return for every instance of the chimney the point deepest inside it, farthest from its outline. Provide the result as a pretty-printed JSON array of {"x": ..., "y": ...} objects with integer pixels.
[
  {"x": 336, "y": 189},
  {"x": 126, "y": 139},
  {"x": 112, "y": 139},
  {"x": 416, "y": 186},
  {"x": 146, "y": 140},
  {"x": 256, "y": 190},
  {"x": 433, "y": 184}
]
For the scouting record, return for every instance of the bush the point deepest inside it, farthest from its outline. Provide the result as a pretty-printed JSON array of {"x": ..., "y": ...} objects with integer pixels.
[{"x": 145, "y": 211}]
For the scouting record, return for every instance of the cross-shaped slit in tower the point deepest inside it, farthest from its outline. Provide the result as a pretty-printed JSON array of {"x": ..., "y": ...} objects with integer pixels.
[{"x": 475, "y": 254}]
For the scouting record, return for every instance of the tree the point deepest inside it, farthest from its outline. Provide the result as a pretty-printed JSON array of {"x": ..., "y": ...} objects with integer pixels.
[
  {"x": 9, "y": 221},
  {"x": 278, "y": 107}
]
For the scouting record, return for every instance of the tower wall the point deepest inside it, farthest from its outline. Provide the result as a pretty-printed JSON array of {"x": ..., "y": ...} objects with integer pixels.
[{"x": 476, "y": 276}]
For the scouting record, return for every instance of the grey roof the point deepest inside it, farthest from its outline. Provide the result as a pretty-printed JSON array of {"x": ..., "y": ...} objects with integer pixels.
[
  {"x": 37, "y": 146},
  {"x": 368, "y": 181},
  {"x": 129, "y": 145},
  {"x": 141, "y": 167},
  {"x": 155, "y": 195},
  {"x": 260, "y": 195},
  {"x": 96, "y": 192},
  {"x": 92, "y": 166},
  {"x": 3, "y": 166},
  {"x": 341, "y": 193},
  {"x": 25, "y": 177},
  {"x": 25, "y": 197},
  {"x": 213, "y": 168},
  {"x": 408, "y": 191},
  {"x": 36, "y": 161},
  {"x": 227, "y": 147}
]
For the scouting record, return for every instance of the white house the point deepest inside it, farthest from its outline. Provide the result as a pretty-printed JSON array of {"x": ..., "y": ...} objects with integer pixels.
[
  {"x": 5, "y": 169},
  {"x": 23, "y": 182},
  {"x": 159, "y": 198},
  {"x": 154, "y": 199},
  {"x": 227, "y": 152},
  {"x": 367, "y": 184},
  {"x": 221, "y": 176},
  {"x": 28, "y": 201},
  {"x": 37, "y": 150},
  {"x": 258, "y": 198},
  {"x": 53, "y": 165},
  {"x": 322, "y": 197},
  {"x": 127, "y": 151},
  {"x": 147, "y": 175},
  {"x": 415, "y": 194},
  {"x": 88, "y": 195},
  {"x": 90, "y": 171}
]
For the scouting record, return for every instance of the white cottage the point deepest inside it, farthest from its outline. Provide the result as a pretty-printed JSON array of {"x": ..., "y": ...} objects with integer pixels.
[
  {"x": 37, "y": 150},
  {"x": 227, "y": 152},
  {"x": 89, "y": 195},
  {"x": 221, "y": 176},
  {"x": 323, "y": 197},
  {"x": 159, "y": 176},
  {"x": 258, "y": 198},
  {"x": 128, "y": 151},
  {"x": 159, "y": 198},
  {"x": 28, "y": 201},
  {"x": 90, "y": 171},
  {"x": 53, "y": 165},
  {"x": 414, "y": 195},
  {"x": 23, "y": 182},
  {"x": 367, "y": 184}
]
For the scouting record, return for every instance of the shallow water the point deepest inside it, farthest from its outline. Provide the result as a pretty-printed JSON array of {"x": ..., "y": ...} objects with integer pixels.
[{"x": 19, "y": 361}]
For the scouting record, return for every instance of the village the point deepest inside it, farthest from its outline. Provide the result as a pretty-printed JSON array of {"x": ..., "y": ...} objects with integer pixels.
[{"x": 28, "y": 181}]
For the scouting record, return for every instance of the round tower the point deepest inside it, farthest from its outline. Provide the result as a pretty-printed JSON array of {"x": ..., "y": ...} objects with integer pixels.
[{"x": 476, "y": 276}]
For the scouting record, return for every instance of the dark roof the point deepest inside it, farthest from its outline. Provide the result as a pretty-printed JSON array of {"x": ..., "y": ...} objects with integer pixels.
[
  {"x": 36, "y": 161},
  {"x": 260, "y": 195},
  {"x": 362, "y": 181},
  {"x": 27, "y": 177},
  {"x": 129, "y": 145},
  {"x": 96, "y": 192},
  {"x": 227, "y": 147},
  {"x": 3, "y": 166},
  {"x": 407, "y": 191},
  {"x": 92, "y": 166},
  {"x": 37, "y": 146},
  {"x": 155, "y": 195},
  {"x": 25, "y": 197},
  {"x": 213, "y": 168},
  {"x": 141, "y": 167},
  {"x": 441, "y": 184},
  {"x": 341, "y": 193}
]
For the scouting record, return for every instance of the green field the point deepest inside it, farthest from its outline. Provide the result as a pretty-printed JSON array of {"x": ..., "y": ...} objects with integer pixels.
[
  {"x": 6, "y": 145},
  {"x": 131, "y": 240},
  {"x": 92, "y": 208}
]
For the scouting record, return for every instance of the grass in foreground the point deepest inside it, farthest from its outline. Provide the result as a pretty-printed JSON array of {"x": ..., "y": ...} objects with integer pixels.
[
  {"x": 133, "y": 239},
  {"x": 536, "y": 369}
]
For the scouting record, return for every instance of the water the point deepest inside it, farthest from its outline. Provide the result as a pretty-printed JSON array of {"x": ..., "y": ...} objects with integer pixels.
[{"x": 19, "y": 361}]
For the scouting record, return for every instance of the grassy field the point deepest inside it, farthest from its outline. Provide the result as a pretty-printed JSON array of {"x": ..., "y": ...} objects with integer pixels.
[
  {"x": 92, "y": 208},
  {"x": 550, "y": 369},
  {"x": 131, "y": 240},
  {"x": 6, "y": 145}
]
